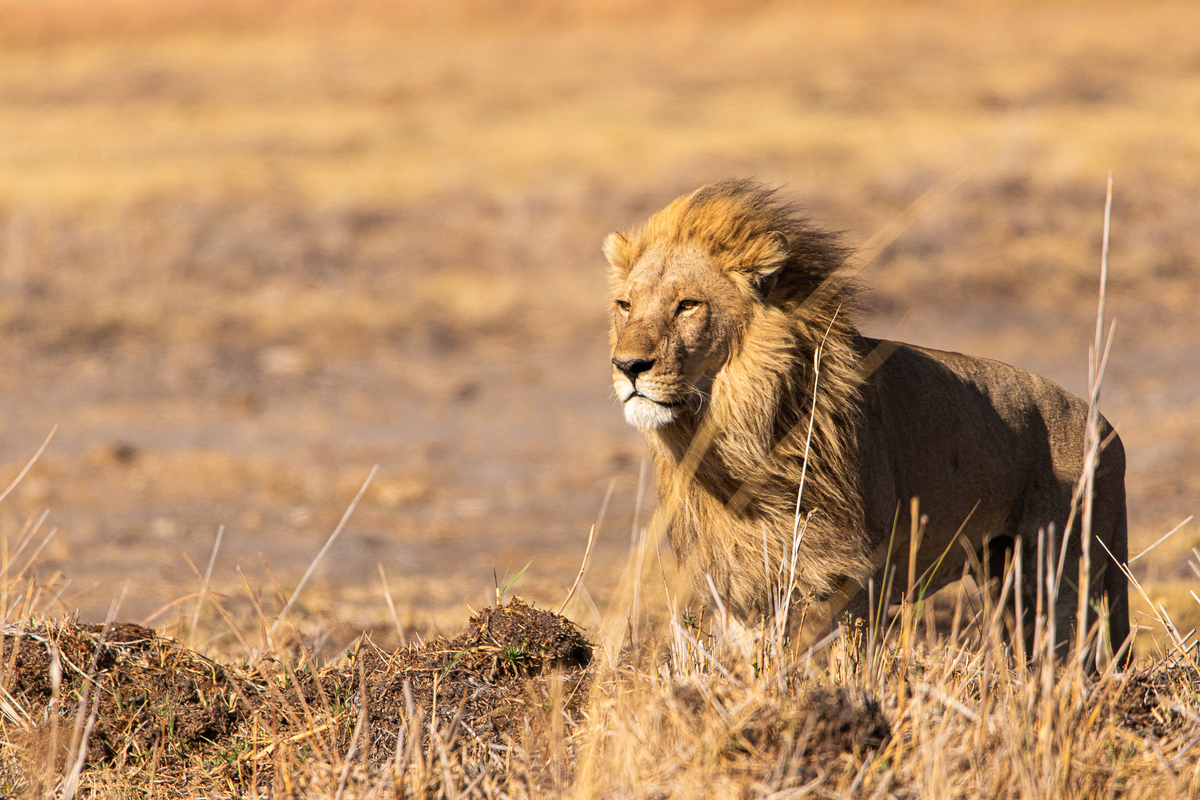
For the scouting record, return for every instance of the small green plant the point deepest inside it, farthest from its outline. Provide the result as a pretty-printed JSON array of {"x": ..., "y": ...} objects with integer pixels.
[
  {"x": 503, "y": 590},
  {"x": 453, "y": 662},
  {"x": 516, "y": 657}
]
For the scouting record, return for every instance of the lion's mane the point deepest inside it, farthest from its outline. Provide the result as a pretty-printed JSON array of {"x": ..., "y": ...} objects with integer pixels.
[{"x": 730, "y": 478}]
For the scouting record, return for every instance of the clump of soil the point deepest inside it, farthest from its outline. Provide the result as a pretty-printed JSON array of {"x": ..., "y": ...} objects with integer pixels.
[
  {"x": 1152, "y": 702},
  {"x": 142, "y": 704},
  {"x": 144, "y": 692},
  {"x": 824, "y": 725},
  {"x": 476, "y": 688}
]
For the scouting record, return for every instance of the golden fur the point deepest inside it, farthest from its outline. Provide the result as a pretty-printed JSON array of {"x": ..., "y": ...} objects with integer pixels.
[{"x": 728, "y": 307}]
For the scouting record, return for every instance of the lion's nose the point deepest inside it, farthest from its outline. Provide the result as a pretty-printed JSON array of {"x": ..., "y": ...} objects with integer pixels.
[{"x": 632, "y": 367}]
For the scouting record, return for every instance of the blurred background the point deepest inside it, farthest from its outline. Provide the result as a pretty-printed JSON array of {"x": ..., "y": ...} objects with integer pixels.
[{"x": 250, "y": 249}]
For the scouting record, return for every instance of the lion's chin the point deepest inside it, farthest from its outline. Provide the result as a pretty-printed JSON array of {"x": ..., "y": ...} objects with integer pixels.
[{"x": 645, "y": 414}]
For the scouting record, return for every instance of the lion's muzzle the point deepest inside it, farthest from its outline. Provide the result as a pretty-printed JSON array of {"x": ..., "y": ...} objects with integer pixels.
[{"x": 642, "y": 408}]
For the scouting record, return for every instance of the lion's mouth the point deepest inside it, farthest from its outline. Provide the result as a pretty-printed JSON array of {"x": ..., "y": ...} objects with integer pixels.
[
  {"x": 646, "y": 413},
  {"x": 663, "y": 403}
]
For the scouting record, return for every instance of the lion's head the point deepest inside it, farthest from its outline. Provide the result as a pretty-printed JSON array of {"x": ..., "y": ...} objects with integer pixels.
[
  {"x": 673, "y": 328},
  {"x": 689, "y": 285}
]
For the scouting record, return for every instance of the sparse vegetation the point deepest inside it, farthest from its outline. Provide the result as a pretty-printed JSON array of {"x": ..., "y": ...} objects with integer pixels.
[{"x": 521, "y": 705}]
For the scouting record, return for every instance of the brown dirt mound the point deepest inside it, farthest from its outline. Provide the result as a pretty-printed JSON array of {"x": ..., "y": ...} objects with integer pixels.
[
  {"x": 475, "y": 688},
  {"x": 146, "y": 692},
  {"x": 1152, "y": 702},
  {"x": 809, "y": 731}
]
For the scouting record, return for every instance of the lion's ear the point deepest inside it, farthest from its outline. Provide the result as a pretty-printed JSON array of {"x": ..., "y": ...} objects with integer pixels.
[
  {"x": 767, "y": 261},
  {"x": 616, "y": 250}
]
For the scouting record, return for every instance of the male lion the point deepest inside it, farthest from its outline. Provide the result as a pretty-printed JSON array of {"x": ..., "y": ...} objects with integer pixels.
[{"x": 728, "y": 310}]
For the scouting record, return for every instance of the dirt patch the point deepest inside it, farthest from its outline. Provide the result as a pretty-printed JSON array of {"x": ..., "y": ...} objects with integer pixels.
[{"x": 480, "y": 683}]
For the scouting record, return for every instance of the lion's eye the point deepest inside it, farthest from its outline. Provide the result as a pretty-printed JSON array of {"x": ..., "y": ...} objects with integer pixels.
[
  {"x": 623, "y": 305},
  {"x": 688, "y": 305}
]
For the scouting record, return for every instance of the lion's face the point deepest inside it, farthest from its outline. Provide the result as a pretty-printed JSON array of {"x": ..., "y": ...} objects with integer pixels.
[{"x": 672, "y": 331}]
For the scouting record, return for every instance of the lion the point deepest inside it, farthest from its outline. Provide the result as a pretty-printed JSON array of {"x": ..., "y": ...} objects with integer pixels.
[{"x": 786, "y": 442}]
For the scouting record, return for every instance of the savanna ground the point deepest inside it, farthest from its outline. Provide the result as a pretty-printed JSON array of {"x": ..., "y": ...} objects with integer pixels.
[{"x": 250, "y": 250}]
